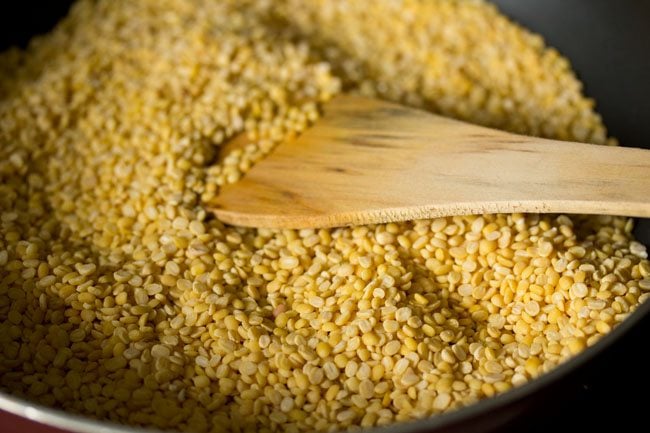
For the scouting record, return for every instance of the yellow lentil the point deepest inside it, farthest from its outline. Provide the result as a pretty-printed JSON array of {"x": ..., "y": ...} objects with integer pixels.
[{"x": 120, "y": 297}]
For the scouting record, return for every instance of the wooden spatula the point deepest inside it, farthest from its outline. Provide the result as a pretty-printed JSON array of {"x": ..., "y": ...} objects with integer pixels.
[{"x": 369, "y": 161}]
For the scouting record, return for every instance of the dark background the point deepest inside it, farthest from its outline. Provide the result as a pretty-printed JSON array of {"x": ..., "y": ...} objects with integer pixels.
[{"x": 608, "y": 43}]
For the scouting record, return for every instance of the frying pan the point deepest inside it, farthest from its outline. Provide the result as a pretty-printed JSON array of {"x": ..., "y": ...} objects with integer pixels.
[{"x": 608, "y": 44}]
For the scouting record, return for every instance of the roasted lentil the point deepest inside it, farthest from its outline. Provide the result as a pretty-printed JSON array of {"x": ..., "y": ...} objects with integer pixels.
[{"x": 120, "y": 298}]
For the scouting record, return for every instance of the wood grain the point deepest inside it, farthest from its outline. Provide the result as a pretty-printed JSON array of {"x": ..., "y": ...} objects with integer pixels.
[{"x": 369, "y": 161}]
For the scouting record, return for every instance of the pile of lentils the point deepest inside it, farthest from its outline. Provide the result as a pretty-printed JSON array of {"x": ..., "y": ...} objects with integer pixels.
[{"x": 123, "y": 299}]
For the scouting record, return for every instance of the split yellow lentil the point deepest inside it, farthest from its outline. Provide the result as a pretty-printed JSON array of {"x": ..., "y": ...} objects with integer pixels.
[{"x": 121, "y": 298}]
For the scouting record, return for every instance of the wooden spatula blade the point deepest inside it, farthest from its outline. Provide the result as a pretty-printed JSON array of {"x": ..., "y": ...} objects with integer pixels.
[{"x": 369, "y": 161}]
